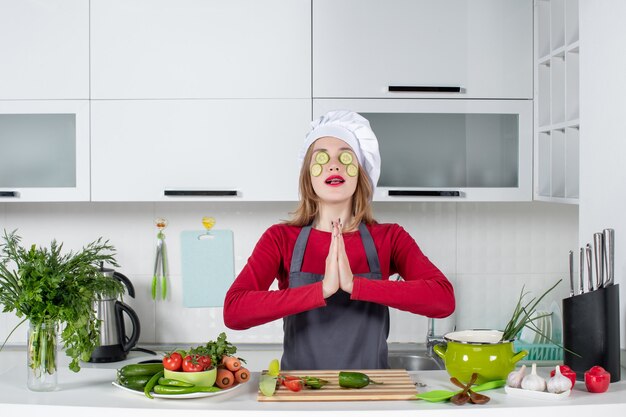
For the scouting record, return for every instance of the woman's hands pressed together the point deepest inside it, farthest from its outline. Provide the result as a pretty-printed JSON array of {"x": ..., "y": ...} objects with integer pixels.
[{"x": 338, "y": 273}]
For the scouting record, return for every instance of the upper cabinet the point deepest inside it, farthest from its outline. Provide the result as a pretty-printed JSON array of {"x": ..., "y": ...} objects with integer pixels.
[
  {"x": 156, "y": 49},
  {"x": 45, "y": 150},
  {"x": 44, "y": 48},
  {"x": 197, "y": 150},
  {"x": 557, "y": 126},
  {"x": 423, "y": 49}
]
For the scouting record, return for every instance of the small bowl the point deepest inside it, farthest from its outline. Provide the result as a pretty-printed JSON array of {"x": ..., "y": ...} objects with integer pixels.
[{"x": 201, "y": 379}]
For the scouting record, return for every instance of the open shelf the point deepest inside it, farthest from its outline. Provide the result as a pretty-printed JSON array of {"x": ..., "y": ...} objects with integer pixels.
[{"x": 557, "y": 101}]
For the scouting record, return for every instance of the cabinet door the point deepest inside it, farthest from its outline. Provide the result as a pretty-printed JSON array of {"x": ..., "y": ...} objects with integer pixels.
[
  {"x": 44, "y": 150},
  {"x": 197, "y": 149},
  {"x": 483, "y": 47},
  {"x": 44, "y": 49},
  {"x": 154, "y": 49}
]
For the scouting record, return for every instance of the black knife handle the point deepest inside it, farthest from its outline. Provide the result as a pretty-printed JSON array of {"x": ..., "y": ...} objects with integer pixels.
[
  {"x": 9, "y": 194},
  {"x": 423, "y": 89},
  {"x": 200, "y": 193},
  {"x": 423, "y": 193}
]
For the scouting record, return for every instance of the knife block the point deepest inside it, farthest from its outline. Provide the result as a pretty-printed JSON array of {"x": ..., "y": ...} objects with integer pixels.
[{"x": 591, "y": 329}]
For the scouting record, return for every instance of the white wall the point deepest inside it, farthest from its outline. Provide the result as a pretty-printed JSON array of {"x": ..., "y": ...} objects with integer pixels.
[
  {"x": 603, "y": 129},
  {"x": 489, "y": 250}
]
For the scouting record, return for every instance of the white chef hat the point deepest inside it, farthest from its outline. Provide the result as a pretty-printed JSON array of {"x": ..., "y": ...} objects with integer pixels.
[{"x": 353, "y": 129}]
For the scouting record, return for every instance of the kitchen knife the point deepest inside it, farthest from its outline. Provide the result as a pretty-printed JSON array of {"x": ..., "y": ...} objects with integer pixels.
[
  {"x": 598, "y": 246},
  {"x": 589, "y": 268},
  {"x": 571, "y": 273},
  {"x": 609, "y": 255},
  {"x": 581, "y": 272}
]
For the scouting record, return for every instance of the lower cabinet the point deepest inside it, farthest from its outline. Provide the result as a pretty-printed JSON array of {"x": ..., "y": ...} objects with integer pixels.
[{"x": 197, "y": 150}]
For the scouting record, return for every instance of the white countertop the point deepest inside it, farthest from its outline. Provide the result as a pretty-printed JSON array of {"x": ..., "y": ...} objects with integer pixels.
[{"x": 91, "y": 393}]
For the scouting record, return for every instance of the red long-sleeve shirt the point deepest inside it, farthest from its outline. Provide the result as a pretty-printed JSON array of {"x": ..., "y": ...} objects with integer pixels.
[{"x": 425, "y": 290}]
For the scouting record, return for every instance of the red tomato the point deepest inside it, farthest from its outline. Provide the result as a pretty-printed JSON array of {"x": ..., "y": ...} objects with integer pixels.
[
  {"x": 566, "y": 371},
  {"x": 172, "y": 361},
  {"x": 191, "y": 364},
  {"x": 294, "y": 385},
  {"x": 597, "y": 379},
  {"x": 205, "y": 361}
]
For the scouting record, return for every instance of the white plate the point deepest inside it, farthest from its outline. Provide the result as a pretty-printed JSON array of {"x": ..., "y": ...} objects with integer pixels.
[
  {"x": 179, "y": 396},
  {"x": 557, "y": 323},
  {"x": 536, "y": 395}
]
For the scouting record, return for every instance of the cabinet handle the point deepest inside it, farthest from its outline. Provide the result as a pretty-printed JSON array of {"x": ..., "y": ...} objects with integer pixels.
[
  {"x": 423, "y": 89},
  {"x": 423, "y": 193},
  {"x": 9, "y": 194},
  {"x": 200, "y": 193}
]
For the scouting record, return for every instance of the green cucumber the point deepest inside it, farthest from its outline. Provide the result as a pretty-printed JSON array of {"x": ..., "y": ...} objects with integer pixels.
[
  {"x": 354, "y": 380},
  {"x": 345, "y": 158},
  {"x": 352, "y": 170},
  {"x": 322, "y": 157},
  {"x": 134, "y": 382},
  {"x": 316, "y": 170},
  {"x": 140, "y": 369}
]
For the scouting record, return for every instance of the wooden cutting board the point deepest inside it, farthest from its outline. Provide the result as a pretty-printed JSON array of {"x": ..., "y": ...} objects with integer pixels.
[{"x": 397, "y": 385}]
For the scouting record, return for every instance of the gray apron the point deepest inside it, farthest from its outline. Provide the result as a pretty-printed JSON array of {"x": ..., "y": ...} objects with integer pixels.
[{"x": 344, "y": 334}]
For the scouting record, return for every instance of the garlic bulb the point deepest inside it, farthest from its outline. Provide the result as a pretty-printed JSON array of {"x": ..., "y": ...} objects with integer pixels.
[
  {"x": 534, "y": 382},
  {"x": 559, "y": 383},
  {"x": 514, "y": 380}
]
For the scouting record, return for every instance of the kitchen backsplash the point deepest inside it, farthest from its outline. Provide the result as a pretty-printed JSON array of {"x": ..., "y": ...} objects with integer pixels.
[{"x": 488, "y": 250}]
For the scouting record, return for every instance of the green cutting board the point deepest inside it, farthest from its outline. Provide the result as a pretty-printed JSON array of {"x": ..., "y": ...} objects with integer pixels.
[{"x": 208, "y": 267}]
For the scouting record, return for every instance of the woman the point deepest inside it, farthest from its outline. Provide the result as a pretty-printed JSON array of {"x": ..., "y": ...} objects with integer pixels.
[{"x": 333, "y": 261}]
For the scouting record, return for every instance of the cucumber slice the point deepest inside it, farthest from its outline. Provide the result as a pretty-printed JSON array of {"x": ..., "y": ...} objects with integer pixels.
[
  {"x": 352, "y": 170},
  {"x": 322, "y": 158},
  {"x": 316, "y": 170},
  {"x": 345, "y": 158}
]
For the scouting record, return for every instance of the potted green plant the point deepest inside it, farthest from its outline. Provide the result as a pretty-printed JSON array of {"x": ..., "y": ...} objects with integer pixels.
[{"x": 55, "y": 292}]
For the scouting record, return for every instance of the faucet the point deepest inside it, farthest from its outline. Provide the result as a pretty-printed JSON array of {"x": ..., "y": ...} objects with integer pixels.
[{"x": 431, "y": 341}]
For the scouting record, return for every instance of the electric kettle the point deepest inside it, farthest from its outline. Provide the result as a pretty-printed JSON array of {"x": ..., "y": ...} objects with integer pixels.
[{"x": 114, "y": 343}]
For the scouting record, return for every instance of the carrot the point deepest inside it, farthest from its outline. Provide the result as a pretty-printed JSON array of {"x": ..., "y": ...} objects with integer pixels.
[
  {"x": 231, "y": 363},
  {"x": 225, "y": 378},
  {"x": 242, "y": 375}
]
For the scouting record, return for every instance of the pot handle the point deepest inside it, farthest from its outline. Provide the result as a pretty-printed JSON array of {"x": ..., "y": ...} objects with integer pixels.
[
  {"x": 440, "y": 350},
  {"x": 120, "y": 309},
  {"x": 518, "y": 356}
]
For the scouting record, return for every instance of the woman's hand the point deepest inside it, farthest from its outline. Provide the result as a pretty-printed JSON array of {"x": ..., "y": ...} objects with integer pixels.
[
  {"x": 346, "y": 279},
  {"x": 330, "y": 283}
]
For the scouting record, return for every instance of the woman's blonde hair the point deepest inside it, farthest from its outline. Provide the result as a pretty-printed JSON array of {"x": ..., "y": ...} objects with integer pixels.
[{"x": 308, "y": 207}]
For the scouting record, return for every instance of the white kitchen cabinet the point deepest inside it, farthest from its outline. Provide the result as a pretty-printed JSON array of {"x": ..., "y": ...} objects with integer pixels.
[
  {"x": 197, "y": 150},
  {"x": 364, "y": 48},
  {"x": 557, "y": 137},
  {"x": 158, "y": 49},
  {"x": 448, "y": 150},
  {"x": 44, "y": 148},
  {"x": 44, "y": 48}
]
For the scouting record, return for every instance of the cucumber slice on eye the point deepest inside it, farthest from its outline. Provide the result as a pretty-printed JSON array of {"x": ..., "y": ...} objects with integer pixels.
[
  {"x": 345, "y": 158},
  {"x": 322, "y": 158},
  {"x": 352, "y": 170},
  {"x": 316, "y": 170}
]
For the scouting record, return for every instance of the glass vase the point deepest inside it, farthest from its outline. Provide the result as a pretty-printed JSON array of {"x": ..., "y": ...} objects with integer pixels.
[{"x": 42, "y": 356}]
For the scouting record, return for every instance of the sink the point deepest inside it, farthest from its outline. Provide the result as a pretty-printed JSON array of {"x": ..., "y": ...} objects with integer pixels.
[{"x": 412, "y": 362}]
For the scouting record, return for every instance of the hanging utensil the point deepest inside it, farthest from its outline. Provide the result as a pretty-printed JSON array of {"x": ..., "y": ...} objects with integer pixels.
[
  {"x": 159, "y": 278},
  {"x": 609, "y": 255},
  {"x": 581, "y": 271},
  {"x": 571, "y": 273}
]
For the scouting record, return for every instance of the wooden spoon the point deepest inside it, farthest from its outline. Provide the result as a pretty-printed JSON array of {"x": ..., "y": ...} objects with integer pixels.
[
  {"x": 463, "y": 397},
  {"x": 474, "y": 397}
]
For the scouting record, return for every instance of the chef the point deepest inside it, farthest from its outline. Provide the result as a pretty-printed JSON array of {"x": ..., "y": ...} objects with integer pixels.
[{"x": 333, "y": 261}]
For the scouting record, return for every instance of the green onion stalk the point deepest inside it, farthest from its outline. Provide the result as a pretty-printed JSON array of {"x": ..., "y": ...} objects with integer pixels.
[{"x": 42, "y": 349}]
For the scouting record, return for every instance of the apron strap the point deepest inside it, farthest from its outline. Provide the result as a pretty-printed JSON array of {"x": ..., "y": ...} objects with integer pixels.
[
  {"x": 298, "y": 251},
  {"x": 370, "y": 249}
]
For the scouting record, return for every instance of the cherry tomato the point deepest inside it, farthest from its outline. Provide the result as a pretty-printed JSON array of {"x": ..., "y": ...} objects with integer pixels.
[
  {"x": 191, "y": 364},
  {"x": 172, "y": 361},
  {"x": 566, "y": 371},
  {"x": 205, "y": 361},
  {"x": 294, "y": 385},
  {"x": 597, "y": 379}
]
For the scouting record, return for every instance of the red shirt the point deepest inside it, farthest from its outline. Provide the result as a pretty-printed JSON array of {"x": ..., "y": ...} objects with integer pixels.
[{"x": 425, "y": 290}]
